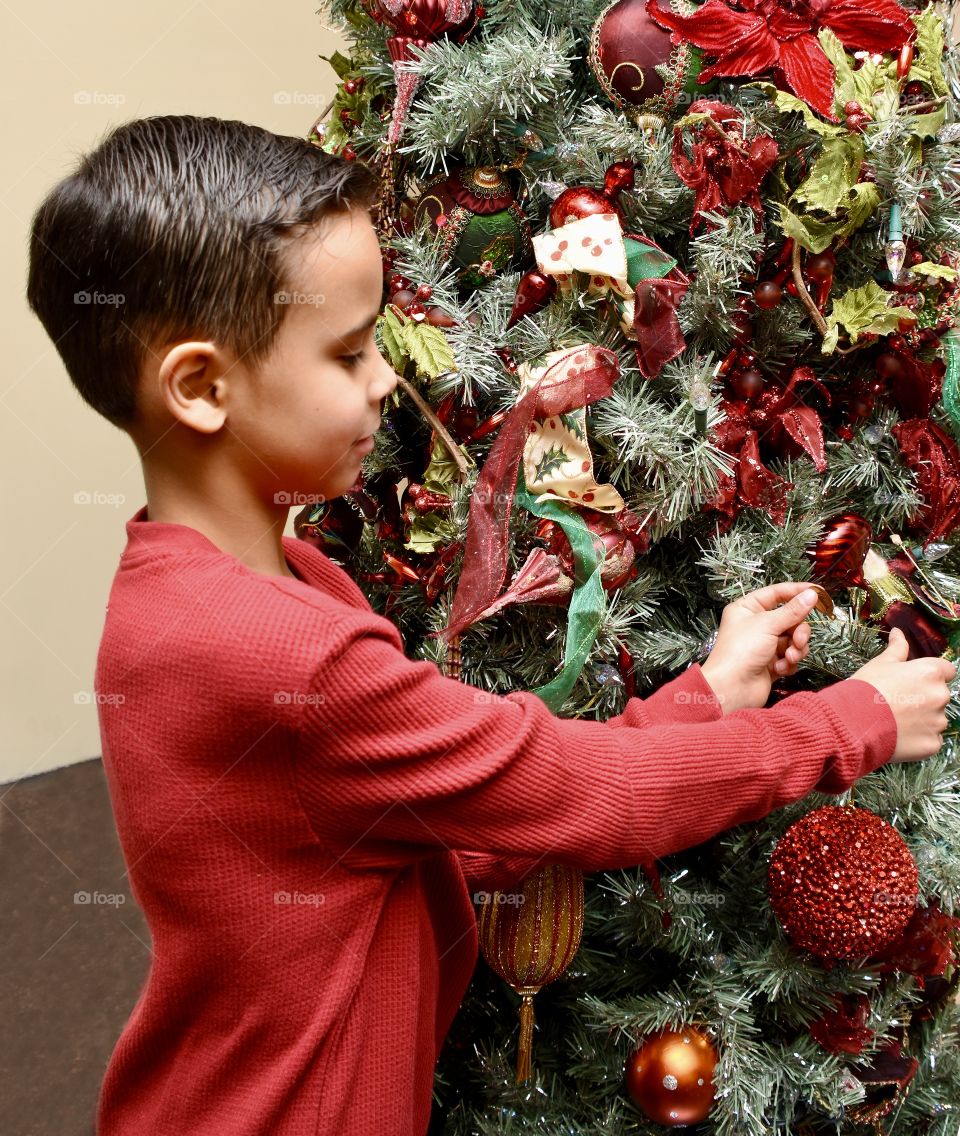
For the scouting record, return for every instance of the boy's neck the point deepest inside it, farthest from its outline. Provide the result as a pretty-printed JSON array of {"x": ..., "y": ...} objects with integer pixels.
[{"x": 250, "y": 531}]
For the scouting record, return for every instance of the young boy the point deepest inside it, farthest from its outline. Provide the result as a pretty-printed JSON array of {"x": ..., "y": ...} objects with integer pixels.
[{"x": 303, "y": 811}]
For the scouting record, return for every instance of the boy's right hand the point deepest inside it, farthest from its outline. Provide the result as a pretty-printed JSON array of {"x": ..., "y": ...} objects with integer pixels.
[{"x": 916, "y": 691}]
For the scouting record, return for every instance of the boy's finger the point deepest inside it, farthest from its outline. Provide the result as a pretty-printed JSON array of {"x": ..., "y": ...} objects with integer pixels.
[
  {"x": 790, "y": 614},
  {"x": 770, "y": 597}
]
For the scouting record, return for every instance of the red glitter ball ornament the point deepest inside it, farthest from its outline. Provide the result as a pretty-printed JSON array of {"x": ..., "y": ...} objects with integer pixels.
[{"x": 842, "y": 883}]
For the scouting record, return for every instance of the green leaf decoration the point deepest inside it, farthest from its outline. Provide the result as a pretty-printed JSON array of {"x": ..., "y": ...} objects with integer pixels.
[
  {"x": 927, "y": 125},
  {"x": 692, "y": 120},
  {"x": 808, "y": 232},
  {"x": 340, "y": 63},
  {"x": 928, "y": 51},
  {"x": 886, "y": 100},
  {"x": 430, "y": 530},
  {"x": 940, "y": 271},
  {"x": 790, "y": 104},
  {"x": 861, "y": 311},
  {"x": 814, "y": 234},
  {"x": 390, "y": 327},
  {"x": 845, "y": 81},
  {"x": 833, "y": 175},
  {"x": 427, "y": 346},
  {"x": 551, "y": 462},
  {"x": 862, "y": 203},
  {"x": 442, "y": 471}
]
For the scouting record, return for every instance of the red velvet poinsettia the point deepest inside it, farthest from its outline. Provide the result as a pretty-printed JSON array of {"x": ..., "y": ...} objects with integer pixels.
[{"x": 756, "y": 37}]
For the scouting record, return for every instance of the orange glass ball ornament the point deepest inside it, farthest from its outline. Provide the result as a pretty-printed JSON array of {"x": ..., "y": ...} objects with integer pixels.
[{"x": 670, "y": 1077}]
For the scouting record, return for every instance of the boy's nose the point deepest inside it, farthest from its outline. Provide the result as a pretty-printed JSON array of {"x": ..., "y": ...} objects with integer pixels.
[{"x": 387, "y": 379}]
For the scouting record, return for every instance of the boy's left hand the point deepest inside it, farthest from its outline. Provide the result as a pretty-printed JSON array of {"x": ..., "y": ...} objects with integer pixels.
[{"x": 757, "y": 642}]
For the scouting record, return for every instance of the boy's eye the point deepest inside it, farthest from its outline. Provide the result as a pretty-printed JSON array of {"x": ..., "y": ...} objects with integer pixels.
[{"x": 351, "y": 360}]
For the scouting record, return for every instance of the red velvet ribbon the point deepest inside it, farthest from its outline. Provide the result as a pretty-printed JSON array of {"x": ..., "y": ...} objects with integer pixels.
[{"x": 583, "y": 376}]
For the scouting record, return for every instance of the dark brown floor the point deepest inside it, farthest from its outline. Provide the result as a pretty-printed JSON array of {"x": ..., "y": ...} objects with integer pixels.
[{"x": 71, "y": 971}]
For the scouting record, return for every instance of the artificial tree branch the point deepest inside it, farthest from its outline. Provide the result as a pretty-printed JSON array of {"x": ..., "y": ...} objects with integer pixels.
[
  {"x": 442, "y": 432},
  {"x": 806, "y": 299}
]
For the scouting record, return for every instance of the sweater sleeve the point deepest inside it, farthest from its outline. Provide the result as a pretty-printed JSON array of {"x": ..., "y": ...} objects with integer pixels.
[
  {"x": 394, "y": 761},
  {"x": 687, "y": 698}
]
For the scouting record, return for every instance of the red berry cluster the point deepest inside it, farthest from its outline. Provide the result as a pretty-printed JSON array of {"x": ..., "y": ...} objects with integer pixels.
[
  {"x": 856, "y": 117},
  {"x": 411, "y": 300}
]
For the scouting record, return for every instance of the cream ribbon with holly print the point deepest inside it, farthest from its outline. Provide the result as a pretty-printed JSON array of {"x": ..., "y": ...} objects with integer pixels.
[{"x": 557, "y": 463}]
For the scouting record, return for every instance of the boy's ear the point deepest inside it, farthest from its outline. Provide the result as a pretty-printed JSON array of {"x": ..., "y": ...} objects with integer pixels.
[{"x": 192, "y": 386}]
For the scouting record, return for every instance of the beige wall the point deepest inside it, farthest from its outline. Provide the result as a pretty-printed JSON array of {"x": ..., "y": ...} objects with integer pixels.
[{"x": 73, "y": 71}]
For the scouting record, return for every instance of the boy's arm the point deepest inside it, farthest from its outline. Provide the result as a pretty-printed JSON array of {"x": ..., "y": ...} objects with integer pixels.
[
  {"x": 686, "y": 698},
  {"x": 395, "y": 761}
]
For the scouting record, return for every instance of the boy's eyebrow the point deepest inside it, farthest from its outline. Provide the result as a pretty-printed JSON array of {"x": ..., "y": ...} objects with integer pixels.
[{"x": 365, "y": 326}]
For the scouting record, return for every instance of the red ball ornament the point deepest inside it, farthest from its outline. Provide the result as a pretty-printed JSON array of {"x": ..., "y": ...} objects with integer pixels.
[
  {"x": 888, "y": 366},
  {"x": 768, "y": 294},
  {"x": 747, "y": 384},
  {"x": 583, "y": 201},
  {"x": 742, "y": 329},
  {"x": 821, "y": 267},
  {"x": 618, "y": 550},
  {"x": 670, "y": 1077},
  {"x": 627, "y": 47},
  {"x": 403, "y": 298},
  {"x": 838, "y": 556},
  {"x": 842, "y": 883},
  {"x": 437, "y": 317}
]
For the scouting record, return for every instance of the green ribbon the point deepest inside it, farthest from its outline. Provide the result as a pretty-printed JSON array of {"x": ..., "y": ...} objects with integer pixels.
[
  {"x": 951, "y": 380},
  {"x": 589, "y": 600}
]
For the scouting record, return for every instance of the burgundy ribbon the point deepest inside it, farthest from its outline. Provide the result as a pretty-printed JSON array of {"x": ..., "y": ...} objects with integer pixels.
[
  {"x": 583, "y": 376},
  {"x": 655, "y": 323},
  {"x": 933, "y": 455}
]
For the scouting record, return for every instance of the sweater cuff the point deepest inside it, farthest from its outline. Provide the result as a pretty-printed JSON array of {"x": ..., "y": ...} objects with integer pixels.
[
  {"x": 686, "y": 699},
  {"x": 866, "y": 715}
]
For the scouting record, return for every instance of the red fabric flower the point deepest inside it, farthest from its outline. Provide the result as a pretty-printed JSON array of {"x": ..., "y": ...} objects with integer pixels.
[
  {"x": 755, "y": 37},
  {"x": 725, "y": 168}
]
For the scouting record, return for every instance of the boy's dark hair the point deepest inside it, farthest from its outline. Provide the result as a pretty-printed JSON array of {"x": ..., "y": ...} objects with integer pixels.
[{"x": 174, "y": 228}]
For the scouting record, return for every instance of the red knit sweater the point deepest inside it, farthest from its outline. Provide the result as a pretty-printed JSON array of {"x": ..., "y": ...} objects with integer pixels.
[{"x": 304, "y": 811}]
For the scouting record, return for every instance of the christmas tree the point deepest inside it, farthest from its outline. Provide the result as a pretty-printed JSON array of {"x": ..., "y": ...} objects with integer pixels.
[{"x": 671, "y": 291}]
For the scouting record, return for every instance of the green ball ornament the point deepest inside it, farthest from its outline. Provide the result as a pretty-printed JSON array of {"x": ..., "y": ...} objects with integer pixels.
[{"x": 482, "y": 228}]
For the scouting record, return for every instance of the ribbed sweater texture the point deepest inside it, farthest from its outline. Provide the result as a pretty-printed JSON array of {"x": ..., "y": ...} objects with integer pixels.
[{"x": 305, "y": 813}]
